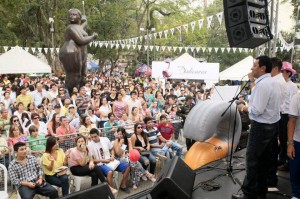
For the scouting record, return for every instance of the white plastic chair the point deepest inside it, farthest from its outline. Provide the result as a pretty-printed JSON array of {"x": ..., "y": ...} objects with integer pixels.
[
  {"x": 77, "y": 181},
  {"x": 3, "y": 194}
]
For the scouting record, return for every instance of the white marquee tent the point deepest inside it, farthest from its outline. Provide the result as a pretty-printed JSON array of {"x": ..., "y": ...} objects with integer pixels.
[
  {"x": 238, "y": 70},
  {"x": 17, "y": 61}
]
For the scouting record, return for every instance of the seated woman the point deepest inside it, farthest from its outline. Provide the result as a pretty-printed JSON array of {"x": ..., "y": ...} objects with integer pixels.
[
  {"x": 53, "y": 161},
  {"x": 122, "y": 145},
  {"x": 53, "y": 124},
  {"x": 14, "y": 137},
  {"x": 37, "y": 143},
  {"x": 81, "y": 162},
  {"x": 135, "y": 116},
  {"x": 86, "y": 126},
  {"x": 140, "y": 142}
]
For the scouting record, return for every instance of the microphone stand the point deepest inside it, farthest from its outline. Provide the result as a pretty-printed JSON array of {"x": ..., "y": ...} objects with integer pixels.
[{"x": 229, "y": 167}]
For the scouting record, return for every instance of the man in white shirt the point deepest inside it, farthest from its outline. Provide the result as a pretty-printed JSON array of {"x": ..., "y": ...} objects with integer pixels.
[
  {"x": 103, "y": 152},
  {"x": 39, "y": 94},
  {"x": 134, "y": 102},
  {"x": 291, "y": 89},
  {"x": 282, "y": 86},
  {"x": 52, "y": 93},
  {"x": 264, "y": 111}
]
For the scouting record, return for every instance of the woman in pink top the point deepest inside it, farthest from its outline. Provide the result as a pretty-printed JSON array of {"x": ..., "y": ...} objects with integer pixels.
[
  {"x": 14, "y": 137},
  {"x": 81, "y": 162},
  {"x": 119, "y": 107}
]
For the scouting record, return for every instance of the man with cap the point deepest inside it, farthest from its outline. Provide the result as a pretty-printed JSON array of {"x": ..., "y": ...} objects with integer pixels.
[
  {"x": 291, "y": 89},
  {"x": 183, "y": 112},
  {"x": 24, "y": 97}
]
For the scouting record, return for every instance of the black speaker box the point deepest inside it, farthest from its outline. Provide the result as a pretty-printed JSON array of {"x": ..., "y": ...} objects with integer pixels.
[
  {"x": 247, "y": 35},
  {"x": 99, "y": 191},
  {"x": 240, "y": 14},
  {"x": 255, "y": 3},
  {"x": 175, "y": 181}
]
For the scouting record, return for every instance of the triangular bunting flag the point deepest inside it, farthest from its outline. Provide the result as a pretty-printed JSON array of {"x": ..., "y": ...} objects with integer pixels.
[
  {"x": 228, "y": 49},
  {"x": 174, "y": 49},
  {"x": 139, "y": 47},
  {"x": 186, "y": 49},
  {"x": 166, "y": 33},
  {"x": 112, "y": 46},
  {"x": 40, "y": 50},
  {"x": 222, "y": 50},
  {"x": 216, "y": 50},
  {"x": 123, "y": 46},
  {"x": 51, "y": 49},
  {"x": 146, "y": 47},
  {"x": 200, "y": 23},
  {"x": 186, "y": 27},
  {"x": 6, "y": 48},
  {"x": 128, "y": 46},
  {"x": 233, "y": 49},
  {"x": 100, "y": 45},
  {"x": 193, "y": 23},
  {"x": 209, "y": 49},
  {"x": 209, "y": 20},
  {"x": 106, "y": 44},
  {"x": 163, "y": 48},
  {"x": 180, "y": 49},
  {"x": 220, "y": 17},
  {"x": 46, "y": 50},
  {"x": 57, "y": 50},
  {"x": 117, "y": 46},
  {"x": 90, "y": 44},
  {"x": 240, "y": 49},
  {"x": 197, "y": 49},
  {"x": 192, "y": 49},
  {"x": 134, "y": 46},
  {"x": 160, "y": 34},
  {"x": 203, "y": 49},
  {"x": 150, "y": 36},
  {"x": 156, "y": 48},
  {"x": 155, "y": 35},
  {"x": 169, "y": 48},
  {"x": 151, "y": 48},
  {"x": 172, "y": 31}
]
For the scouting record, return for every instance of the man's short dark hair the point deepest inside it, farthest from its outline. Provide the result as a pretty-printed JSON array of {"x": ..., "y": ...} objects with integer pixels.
[
  {"x": 132, "y": 92},
  {"x": 276, "y": 62},
  {"x": 18, "y": 145},
  {"x": 147, "y": 119},
  {"x": 201, "y": 90},
  {"x": 94, "y": 131},
  {"x": 62, "y": 117},
  {"x": 109, "y": 115},
  {"x": 265, "y": 61},
  {"x": 162, "y": 117}
]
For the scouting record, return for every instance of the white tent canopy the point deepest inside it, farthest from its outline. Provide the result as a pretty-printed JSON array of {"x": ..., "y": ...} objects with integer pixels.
[
  {"x": 17, "y": 61},
  {"x": 238, "y": 70},
  {"x": 186, "y": 67}
]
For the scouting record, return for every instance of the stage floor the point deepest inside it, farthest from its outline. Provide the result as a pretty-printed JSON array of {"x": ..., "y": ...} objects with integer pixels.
[{"x": 218, "y": 172}]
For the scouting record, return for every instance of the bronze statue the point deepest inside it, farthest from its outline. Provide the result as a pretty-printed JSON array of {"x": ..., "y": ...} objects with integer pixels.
[{"x": 73, "y": 54}]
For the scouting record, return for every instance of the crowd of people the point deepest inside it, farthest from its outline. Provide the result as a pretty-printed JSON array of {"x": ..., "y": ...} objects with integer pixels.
[{"x": 92, "y": 130}]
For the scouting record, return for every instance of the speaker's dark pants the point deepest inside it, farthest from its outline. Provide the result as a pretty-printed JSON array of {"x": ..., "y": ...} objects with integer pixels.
[
  {"x": 283, "y": 138},
  {"x": 258, "y": 159},
  {"x": 272, "y": 176},
  {"x": 60, "y": 181}
]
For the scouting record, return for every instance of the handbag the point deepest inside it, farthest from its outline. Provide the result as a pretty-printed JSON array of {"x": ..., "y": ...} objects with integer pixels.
[{"x": 113, "y": 164}]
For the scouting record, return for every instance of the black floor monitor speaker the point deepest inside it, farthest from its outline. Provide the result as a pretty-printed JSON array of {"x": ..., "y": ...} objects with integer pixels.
[
  {"x": 175, "y": 181},
  {"x": 247, "y": 23},
  {"x": 99, "y": 191}
]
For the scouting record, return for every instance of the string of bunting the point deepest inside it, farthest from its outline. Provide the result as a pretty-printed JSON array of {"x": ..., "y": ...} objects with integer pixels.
[{"x": 36, "y": 50}]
